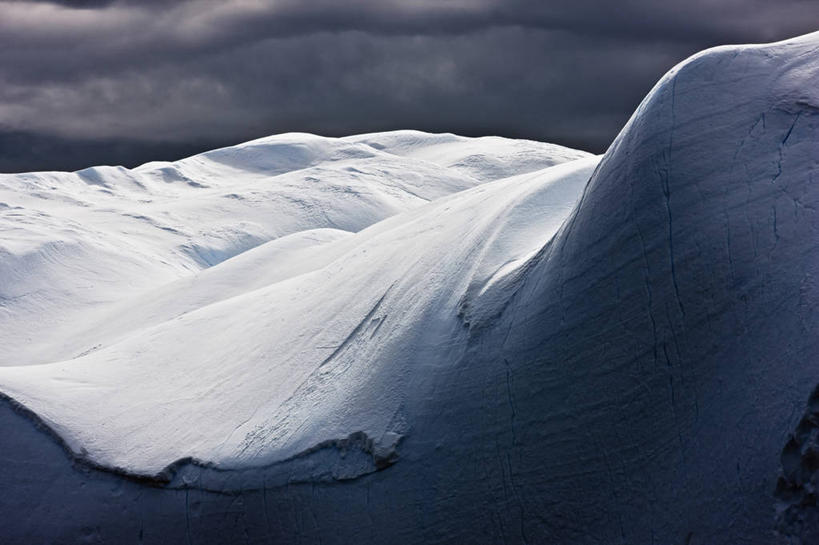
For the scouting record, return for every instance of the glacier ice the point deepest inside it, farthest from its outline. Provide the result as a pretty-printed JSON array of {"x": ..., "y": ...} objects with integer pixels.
[{"x": 414, "y": 338}]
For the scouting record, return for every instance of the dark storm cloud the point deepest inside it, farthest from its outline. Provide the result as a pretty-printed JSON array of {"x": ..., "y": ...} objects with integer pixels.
[{"x": 110, "y": 81}]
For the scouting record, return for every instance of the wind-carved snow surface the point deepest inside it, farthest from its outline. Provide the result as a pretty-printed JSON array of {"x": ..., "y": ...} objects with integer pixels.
[
  {"x": 252, "y": 361},
  {"x": 74, "y": 243},
  {"x": 259, "y": 371},
  {"x": 473, "y": 345}
]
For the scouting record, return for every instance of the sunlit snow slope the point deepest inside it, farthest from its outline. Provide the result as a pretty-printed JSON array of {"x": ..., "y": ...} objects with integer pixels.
[
  {"x": 73, "y": 244},
  {"x": 286, "y": 359},
  {"x": 430, "y": 339}
]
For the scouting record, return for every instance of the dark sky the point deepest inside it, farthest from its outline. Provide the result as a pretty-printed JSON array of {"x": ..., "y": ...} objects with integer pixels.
[{"x": 123, "y": 82}]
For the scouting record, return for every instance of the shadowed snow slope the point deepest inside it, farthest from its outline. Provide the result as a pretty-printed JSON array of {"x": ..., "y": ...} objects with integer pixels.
[{"x": 605, "y": 351}]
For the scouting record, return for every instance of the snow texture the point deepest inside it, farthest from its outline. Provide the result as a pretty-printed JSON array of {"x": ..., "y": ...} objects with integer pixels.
[
  {"x": 798, "y": 486},
  {"x": 417, "y": 338}
]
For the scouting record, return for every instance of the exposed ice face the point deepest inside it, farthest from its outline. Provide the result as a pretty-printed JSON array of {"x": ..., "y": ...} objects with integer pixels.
[
  {"x": 673, "y": 324},
  {"x": 603, "y": 351}
]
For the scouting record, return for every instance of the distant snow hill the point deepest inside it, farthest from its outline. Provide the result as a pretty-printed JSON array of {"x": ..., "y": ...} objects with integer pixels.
[{"x": 415, "y": 338}]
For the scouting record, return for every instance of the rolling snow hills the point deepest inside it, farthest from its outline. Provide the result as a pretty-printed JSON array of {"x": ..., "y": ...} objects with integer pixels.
[{"x": 74, "y": 243}]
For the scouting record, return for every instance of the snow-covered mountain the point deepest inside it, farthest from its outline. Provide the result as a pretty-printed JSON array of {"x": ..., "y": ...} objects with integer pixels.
[{"x": 417, "y": 338}]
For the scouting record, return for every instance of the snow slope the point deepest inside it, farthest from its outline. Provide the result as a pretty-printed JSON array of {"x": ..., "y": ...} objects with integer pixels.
[
  {"x": 614, "y": 350},
  {"x": 272, "y": 368},
  {"x": 74, "y": 243}
]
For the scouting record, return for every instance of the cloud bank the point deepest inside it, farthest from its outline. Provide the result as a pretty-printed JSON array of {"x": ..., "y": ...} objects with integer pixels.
[{"x": 95, "y": 81}]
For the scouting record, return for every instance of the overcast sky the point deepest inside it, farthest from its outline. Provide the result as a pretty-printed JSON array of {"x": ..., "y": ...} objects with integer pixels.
[{"x": 123, "y": 82}]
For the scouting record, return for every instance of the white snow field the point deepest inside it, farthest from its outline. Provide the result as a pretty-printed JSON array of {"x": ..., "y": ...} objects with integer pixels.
[
  {"x": 74, "y": 243},
  {"x": 414, "y": 338}
]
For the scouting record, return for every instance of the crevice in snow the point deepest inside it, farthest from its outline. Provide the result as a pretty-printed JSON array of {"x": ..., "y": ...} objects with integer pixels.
[
  {"x": 782, "y": 145},
  {"x": 368, "y": 318},
  {"x": 665, "y": 176}
]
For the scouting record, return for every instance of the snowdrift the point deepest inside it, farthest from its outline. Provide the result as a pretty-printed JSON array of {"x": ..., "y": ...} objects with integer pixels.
[{"x": 423, "y": 338}]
